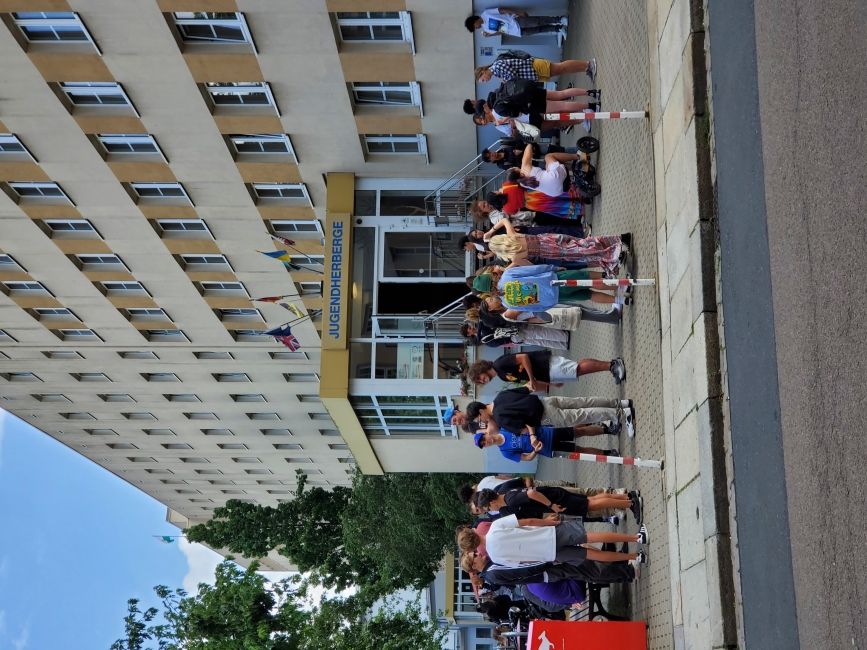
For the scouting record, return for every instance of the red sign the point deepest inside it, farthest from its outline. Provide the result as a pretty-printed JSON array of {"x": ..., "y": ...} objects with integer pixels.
[{"x": 587, "y": 635}]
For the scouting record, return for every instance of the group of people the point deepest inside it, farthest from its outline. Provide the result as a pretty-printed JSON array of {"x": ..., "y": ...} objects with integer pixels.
[{"x": 529, "y": 541}]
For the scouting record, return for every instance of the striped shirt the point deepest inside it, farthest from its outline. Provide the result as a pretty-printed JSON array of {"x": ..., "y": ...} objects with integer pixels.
[{"x": 506, "y": 69}]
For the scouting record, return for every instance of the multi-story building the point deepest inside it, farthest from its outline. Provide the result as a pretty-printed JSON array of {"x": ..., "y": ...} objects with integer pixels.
[{"x": 148, "y": 151}]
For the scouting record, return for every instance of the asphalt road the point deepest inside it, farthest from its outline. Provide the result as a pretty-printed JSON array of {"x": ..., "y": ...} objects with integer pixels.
[{"x": 792, "y": 198}]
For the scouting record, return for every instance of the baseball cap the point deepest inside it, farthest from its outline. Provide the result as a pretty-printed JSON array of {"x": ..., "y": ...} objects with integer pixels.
[{"x": 478, "y": 438}]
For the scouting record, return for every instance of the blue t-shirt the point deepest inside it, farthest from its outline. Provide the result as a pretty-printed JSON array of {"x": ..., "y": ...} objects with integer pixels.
[
  {"x": 516, "y": 444},
  {"x": 528, "y": 288}
]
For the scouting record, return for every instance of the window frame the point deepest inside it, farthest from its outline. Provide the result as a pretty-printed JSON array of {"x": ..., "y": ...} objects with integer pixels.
[
  {"x": 413, "y": 87},
  {"x": 93, "y": 88},
  {"x": 294, "y": 233},
  {"x": 214, "y": 89},
  {"x": 303, "y": 200},
  {"x": 402, "y": 20},
  {"x": 29, "y": 289},
  {"x": 239, "y": 20},
  {"x": 52, "y": 22},
  {"x": 186, "y": 263},
  {"x": 262, "y": 138},
  {"x": 12, "y": 138},
  {"x": 96, "y": 261},
  {"x": 109, "y": 291},
  {"x": 419, "y": 138},
  {"x": 75, "y": 334},
  {"x": 136, "y": 186},
  {"x": 15, "y": 186},
  {"x": 110, "y": 139}
]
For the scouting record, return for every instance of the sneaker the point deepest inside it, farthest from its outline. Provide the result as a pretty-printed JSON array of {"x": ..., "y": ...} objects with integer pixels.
[
  {"x": 611, "y": 452},
  {"x": 637, "y": 508},
  {"x": 614, "y": 520},
  {"x": 636, "y": 568},
  {"x": 594, "y": 93},
  {"x": 618, "y": 370},
  {"x": 591, "y": 69},
  {"x": 564, "y": 20},
  {"x": 642, "y": 558},
  {"x": 593, "y": 106},
  {"x": 643, "y": 537},
  {"x": 626, "y": 239},
  {"x": 587, "y": 126},
  {"x": 629, "y": 421},
  {"x": 626, "y": 404},
  {"x": 612, "y": 428}
]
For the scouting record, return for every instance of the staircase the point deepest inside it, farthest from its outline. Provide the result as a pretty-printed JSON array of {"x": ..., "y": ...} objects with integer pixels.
[{"x": 449, "y": 203}]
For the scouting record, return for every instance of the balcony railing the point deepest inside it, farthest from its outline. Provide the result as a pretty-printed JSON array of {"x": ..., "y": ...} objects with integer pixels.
[{"x": 449, "y": 203}]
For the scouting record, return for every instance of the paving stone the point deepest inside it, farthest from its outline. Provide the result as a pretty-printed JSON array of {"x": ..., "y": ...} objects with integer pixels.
[
  {"x": 690, "y": 530},
  {"x": 686, "y": 440},
  {"x": 696, "y": 627},
  {"x": 671, "y": 46}
]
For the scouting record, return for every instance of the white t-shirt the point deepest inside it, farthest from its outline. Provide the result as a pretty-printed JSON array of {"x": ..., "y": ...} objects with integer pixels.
[
  {"x": 507, "y": 127},
  {"x": 511, "y": 545},
  {"x": 550, "y": 179},
  {"x": 494, "y": 22},
  {"x": 490, "y": 482}
]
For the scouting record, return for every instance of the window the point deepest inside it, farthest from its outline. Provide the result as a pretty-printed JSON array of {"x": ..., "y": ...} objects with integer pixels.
[
  {"x": 194, "y": 460},
  {"x": 212, "y": 288},
  {"x": 96, "y": 93},
  {"x": 375, "y": 26},
  {"x": 309, "y": 377},
  {"x": 176, "y": 445},
  {"x": 52, "y": 27},
  {"x": 124, "y": 144},
  {"x": 338, "y": 446},
  {"x": 159, "y": 432},
  {"x": 101, "y": 432},
  {"x": 51, "y": 397},
  {"x": 250, "y": 460},
  {"x": 289, "y": 356},
  {"x": 11, "y": 148},
  {"x": 69, "y": 228},
  {"x": 63, "y": 354},
  {"x": 217, "y": 432},
  {"x": 308, "y": 229},
  {"x": 289, "y": 445},
  {"x": 308, "y": 262},
  {"x": 258, "y": 470},
  {"x": 160, "y": 192},
  {"x": 232, "y": 377},
  {"x": 263, "y": 416},
  {"x": 182, "y": 228},
  {"x": 202, "y": 260},
  {"x": 136, "y": 354},
  {"x": 145, "y": 313},
  {"x": 388, "y": 144},
  {"x": 116, "y": 397},
  {"x": 121, "y": 445},
  {"x": 77, "y": 416},
  {"x": 213, "y": 355},
  {"x": 5, "y": 337},
  {"x": 77, "y": 335},
  {"x": 386, "y": 93},
  {"x": 212, "y": 27},
  {"x": 249, "y": 397},
  {"x": 33, "y": 191},
  {"x": 165, "y": 336},
  {"x": 309, "y": 288},
  {"x": 245, "y": 94},
  {"x": 283, "y": 192},
  {"x": 303, "y": 460},
  {"x": 319, "y": 416},
  {"x": 91, "y": 261},
  {"x": 54, "y": 313},
  {"x": 201, "y": 416},
  {"x": 247, "y": 335},
  {"x": 14, "y": 287},
  {"x": 232, "y": 445},
  {"x": 139, "y": 415},
  {"x": 121, "y": 288},
  {"x": 346, "y": 460},
  {"x": 239, "y": 313},
  {"x": 8, "y": 263},
  {"x": 329, "y": 432},
  {"x": 19, "y": 376},
  {"x": 159, "y": 471},
  {"x": 262, "y": 144},
  {"x": 275, "y": 432},
  {"x": 90, "y": 376},
  {"x": 160, "y": 376},
  {"x": 308, "y": 398},
  {"x": 182, "y": 397},
  {"x": 141, "y": 459}
]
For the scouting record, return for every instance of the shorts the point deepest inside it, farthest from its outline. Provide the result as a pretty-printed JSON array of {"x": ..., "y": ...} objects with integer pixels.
[
  {"x": 539, "y": 101},
  {"x": 542, "y": 68},
  {"x": 562, "y": 369}
]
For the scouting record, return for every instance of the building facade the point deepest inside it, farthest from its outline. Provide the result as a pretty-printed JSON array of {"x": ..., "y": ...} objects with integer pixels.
[{"x": 148, "y": 153}]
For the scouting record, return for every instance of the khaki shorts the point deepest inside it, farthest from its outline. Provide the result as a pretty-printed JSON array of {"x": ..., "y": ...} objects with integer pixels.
[
  {"x": 542, "y": 68},
  {"x": 562, "y": 369}
]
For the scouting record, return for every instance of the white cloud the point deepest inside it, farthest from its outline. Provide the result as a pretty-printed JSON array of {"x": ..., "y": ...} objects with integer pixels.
[
  {"x": 201, "y": 564},
  {"x": 21, "y": 641}
]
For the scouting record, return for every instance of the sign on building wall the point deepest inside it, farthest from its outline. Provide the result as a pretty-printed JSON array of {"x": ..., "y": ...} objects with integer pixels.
[
  {"x": 410, "y": 360},
  {"x": 338, "y": 246}
]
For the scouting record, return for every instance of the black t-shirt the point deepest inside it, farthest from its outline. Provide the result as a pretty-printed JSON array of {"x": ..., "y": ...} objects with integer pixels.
[
  {"x": 511, "y": 484},
  {"x": 507, "y": 366},
  {"x": 515, "y": 409},
  {"x": 522, "y": 506}
]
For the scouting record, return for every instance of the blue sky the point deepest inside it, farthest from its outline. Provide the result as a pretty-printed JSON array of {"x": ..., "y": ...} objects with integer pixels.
[{"x": 76, "y": 543}]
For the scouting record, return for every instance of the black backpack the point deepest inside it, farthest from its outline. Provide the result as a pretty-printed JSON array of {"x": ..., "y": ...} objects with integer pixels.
[
  {"x": 513, "y": 97},
  {"x": 513, "y": 54}
]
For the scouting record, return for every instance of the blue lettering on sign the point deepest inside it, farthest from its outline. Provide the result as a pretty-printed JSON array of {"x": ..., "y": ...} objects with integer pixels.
[{"x": 336, "y": 293}]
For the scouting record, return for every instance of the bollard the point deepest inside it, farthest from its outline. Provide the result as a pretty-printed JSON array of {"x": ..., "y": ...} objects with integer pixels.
[
  {"x": 605, "y": 283},
  {"x": 615, "y": 460},
  {"x": 595, "y": 115}
]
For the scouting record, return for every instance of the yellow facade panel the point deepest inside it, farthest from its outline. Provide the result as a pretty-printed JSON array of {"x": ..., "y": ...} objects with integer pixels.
[
  {"x": 395, "y": 121},
  {"x": 248, "y": 123},
  {"x": 31, "y": 302},
  {"x": 23, "y": 170},
  {"x": 22, "y": 276},
  {"x": 36, "y": 210},
  {"x": 182, "y": 245},
  {"x": 33, "y": 5},
  {"x": 143, "y": 172},
  {"x": 378, "y": 65},
  {"x": 215, "y": 276},
  {"x": 269, "y": 172},
  {"x": 107, "y": 123},
  {"x": 122, "y": 302},
  {"x": 228, "y": 302},
  {"x": 197, "y": 5},
  {"x": 71, "y": 67},
  {"x": 73, "y": 246},
  {"x": 144, "y": 324},
  {"x": 211, "y": 66},
  {"x": 344, "y": 417},
  {"x": 280, "y": 212},
  {"x": 366, "y": 5},
  {"x": 100, "y": 276},
  {"x": 153, "y": 211}
]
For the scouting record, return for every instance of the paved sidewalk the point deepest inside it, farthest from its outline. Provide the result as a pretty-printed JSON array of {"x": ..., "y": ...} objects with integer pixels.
[{"x": 656, "y": 184}]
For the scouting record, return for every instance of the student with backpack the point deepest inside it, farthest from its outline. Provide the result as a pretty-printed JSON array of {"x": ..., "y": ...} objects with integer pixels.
[{"x": 508, "y": 66}]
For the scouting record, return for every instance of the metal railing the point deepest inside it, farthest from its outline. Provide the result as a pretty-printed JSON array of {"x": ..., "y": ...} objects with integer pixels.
[
  {"x": 449, "y": 203},
  {"x": 444, "y": 321}
]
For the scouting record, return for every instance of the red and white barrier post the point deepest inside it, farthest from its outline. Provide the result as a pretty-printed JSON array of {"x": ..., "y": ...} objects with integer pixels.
[
  {"x": 595, "y": 115},
  {"x": 615, "y": 460},
  {"x": 605, "y": 283}
]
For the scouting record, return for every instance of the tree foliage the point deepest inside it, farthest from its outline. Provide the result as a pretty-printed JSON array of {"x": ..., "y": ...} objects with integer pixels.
[
  {"x": 241, "y": 611},
  {"x": 385, "y": 533}
]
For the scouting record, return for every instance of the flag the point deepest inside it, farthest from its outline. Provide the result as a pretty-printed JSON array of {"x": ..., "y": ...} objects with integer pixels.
[
  {"x": 167, "y": 539},
  {"x": 283, "y": 240},
  {"x": 269, "y": 298},
  {"x": 283, "y": 330},
  {"x": 290, "y": 342},
  {"x": 293, "y": 308},
  {"x": 283, "y": 256}
]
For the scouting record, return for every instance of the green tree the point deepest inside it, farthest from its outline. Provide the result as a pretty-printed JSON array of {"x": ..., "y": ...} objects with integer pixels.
[{"x": 242, "y": 611}]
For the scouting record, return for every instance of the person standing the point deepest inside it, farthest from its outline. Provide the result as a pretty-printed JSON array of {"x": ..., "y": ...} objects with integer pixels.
[
  {"x": 512, "y": 22},
  {"x": 541, "y": 369},
  {"x": 535, "y": 69}
]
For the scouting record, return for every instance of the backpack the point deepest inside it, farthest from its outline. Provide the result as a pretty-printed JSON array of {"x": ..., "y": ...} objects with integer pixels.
[
  {"x": 513, "y": 54},
  {"x": 513, "y": 97}
]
